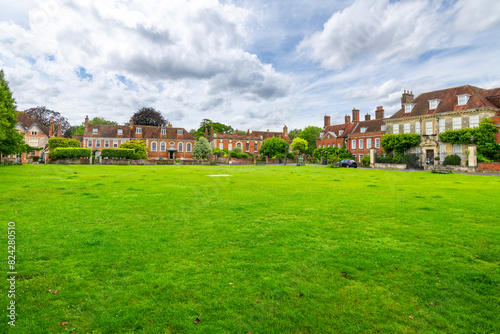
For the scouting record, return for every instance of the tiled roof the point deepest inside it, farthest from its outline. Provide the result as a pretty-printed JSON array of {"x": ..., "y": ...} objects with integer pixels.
[
  {"x": 233, "y": 136},
  {"x": 107, "y": 131},
  {"x": 449, "y": 101},
  {"x": 492, "y": 95},
  {"x": 346, "y": 127},
  {"x": 27, "y": 122},
  {"x": 269, "y": 134},
  {"x": 373, "y": 125},
  {"x": 148, "y": 132}
]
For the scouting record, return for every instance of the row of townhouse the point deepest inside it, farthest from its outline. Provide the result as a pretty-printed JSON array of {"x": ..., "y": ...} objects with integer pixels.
[
  {"x": 428, "y": 115},
  {"x": 249, "y": 142}
]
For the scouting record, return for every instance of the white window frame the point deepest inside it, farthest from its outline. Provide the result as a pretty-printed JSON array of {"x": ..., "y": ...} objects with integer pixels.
[
  {"x": 377, "y": 142},
  {"x": 408, "y": 107},
  {"x": 369, "y": 143},
  {"x": 180, "y": 132},
  {"x": 433, "y": 104},
  {"x": 154, "y": 146},
  {"x": 382, "y": 127},
  {"x": 457, "y": 123},
  {"x": 115, "y": 143},
  {"x": 361, "y": 144},
  {"x": 474, "y": 121},
  {"x": 180, "y": 147},
  {"x": 89, "y": 143},
  {"x": 188, "y": 147},
  {"x": 363, "y": 129},
  {"x": 442, "y": 125},
  {"x": 138, "y": 130},
  {"x": 106, "y": 143},
  {"x": 341, "y": 132},
  {"x": 353, "y": 144},
  {"x": 163, "y": 146},
  {"x": 406, "y": 127},
  {"x": 98, "y": 143},
  {"x": 338, "y": 145},
  {"x": 457, "y": 149},
  {"x": 360, "y": 157},
  {"x": 163, "y": 131},
  {"x": 221, "y": 145},
  {"x": 395, "y": 129},
  {"x": 417, "y": 127},
  {"x": 119, "y": 132},
  {"x": 230, "y": 146},
  {"x": 95, "y": 131},
  {"x": 463, "y": 99},
  {"x": 428, "y": 128},
  {"x": 256, "y": 147},
  {"x": 442, "y": 152}
]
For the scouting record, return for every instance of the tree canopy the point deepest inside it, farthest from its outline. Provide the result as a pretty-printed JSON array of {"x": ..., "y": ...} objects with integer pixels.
[
  {"x": 45, "y": 116},
  {"x": 310, "y": 134},
  {"x": 300, "y": 145},
  {"x": 206, "y": 125},
  {"x": 294, "y": 133},
  {"x": 78, "y": 130},
  {"x": 202, "y": 148},
  {"x": 273, "y": 146},
  {"x": 11, "y": 141},
  {"x": 149, "y": 116},
  {"x": 139, "y": 147}
]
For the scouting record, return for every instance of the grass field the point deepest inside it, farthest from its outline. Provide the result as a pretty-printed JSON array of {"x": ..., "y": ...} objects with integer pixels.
[{"x": 271, "y": 249}]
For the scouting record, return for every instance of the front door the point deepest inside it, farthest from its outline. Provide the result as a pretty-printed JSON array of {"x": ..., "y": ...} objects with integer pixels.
[
  {"x": 429, "y": 157},
  {"x": 171, "y": 154}
]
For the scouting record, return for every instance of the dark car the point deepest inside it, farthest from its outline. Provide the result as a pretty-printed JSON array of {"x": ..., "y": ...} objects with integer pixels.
[{"x": 348, "y": 163}]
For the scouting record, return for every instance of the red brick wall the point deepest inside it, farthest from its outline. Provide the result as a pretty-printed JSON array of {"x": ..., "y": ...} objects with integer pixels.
[{"x": 489, "y": 167}]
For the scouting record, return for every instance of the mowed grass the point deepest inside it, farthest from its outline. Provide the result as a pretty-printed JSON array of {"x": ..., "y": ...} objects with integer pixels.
[{"x": 271, "y": 249}]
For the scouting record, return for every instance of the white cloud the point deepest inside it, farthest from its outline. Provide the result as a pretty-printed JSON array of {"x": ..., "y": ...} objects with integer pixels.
[{"x": 477, "y": 15}]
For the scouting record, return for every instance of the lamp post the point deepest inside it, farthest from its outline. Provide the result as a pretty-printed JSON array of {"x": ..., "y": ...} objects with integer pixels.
[{"x": 472, "y": 139}]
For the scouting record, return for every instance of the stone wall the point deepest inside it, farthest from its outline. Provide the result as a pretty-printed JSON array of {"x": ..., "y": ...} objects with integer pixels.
[
  {"x": 82, "y": 161},
  {"x": 489, "y": 167},
  {"x": 390, "y": 166}
]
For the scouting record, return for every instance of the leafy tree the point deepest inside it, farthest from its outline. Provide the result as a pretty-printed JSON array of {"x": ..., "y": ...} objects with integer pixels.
[
  {"x": 206, "y": 125},
  {"x": 11, "y": 141},
  {"x": 300, "y": 145},
  {"x": 139, "y": 147},
  {"x": 273, "y": 146},
  {"x": 149, "y": 116},
  {"x": 202, "y": 148},
  {"x": 45, "y": 117},
  {"x": 484, "y": 137},
  {"x": 310, "y": 134},
  {"x": 400, "y": 142},
  {"x": 80, "y": 129},
  {"x": 294, "y": 133}
]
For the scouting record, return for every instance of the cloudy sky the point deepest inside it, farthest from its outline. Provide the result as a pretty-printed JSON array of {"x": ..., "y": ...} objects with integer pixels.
[{"x": 252, "y": 64}]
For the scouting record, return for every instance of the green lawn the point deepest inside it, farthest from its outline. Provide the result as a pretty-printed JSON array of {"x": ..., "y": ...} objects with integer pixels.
[{"x": 271, "y": 249}]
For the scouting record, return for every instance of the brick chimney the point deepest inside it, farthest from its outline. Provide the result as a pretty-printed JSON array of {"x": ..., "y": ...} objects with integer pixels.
[
  {"x": 367, "y": 117},
  {"x": 285, "y": 130},
  {"x": 59, "y": 131},
  {"x": 355, "y": 115},
  {"x": 347, "y": 119},
  {"x": 169, "y": 125},
  {"x": 327, "y": 121},
  {"x": 406, "y": 98},
  {"x": 131, "y": 122},
  {"x": 52, "y": 129},
  {"x": 379, "y": 113},
  {"x": 86, "y": 121}
]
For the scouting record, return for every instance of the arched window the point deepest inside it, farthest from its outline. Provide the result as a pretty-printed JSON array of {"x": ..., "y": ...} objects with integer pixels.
[
  {"x": 162, "y": 146},
  {"x": 153, "y": 146},
  {"x": 188, "y": 147},
  {"x": 238, "y": 145},
  {"x": 180, "y": 147}
]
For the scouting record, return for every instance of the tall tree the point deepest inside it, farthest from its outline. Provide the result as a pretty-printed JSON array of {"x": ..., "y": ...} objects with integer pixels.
[
  {"x": 310, "y": 134},
  {"x": 273, "y": 146},
  {"x": 300, "y": 145},
  {"x": 11, "y": 141},
  {"x": 45, "y": 116},
  {"x": 206, "y": 125},
  {"x": 149, "y": 116},
  {"x": 201, "y": 148},
  {"x": 294, "y": 133},
  {"x": 79, "y": 129}
]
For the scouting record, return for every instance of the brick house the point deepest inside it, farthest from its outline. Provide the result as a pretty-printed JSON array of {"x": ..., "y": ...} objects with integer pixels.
[
  {"x": 358, "y": 136},
  {"x": 249, "y": 142},
  {"x": 163, "y": 142},
  {"x": 434, "y": 112},
  {"x": 35, "y": 135}
]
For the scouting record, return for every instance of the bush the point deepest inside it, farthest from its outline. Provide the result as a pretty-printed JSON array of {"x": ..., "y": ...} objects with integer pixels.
[
  {"x": 365, "y": 161},
  {"x": 290, "y": 155},
  {"x": 35, "y": 158},
  {"x": 139, "y": 147},
  {"x": 237, "y": 150},
  {"x": 117, "y": 153},
  {"x": 452, "y": 160},
  {"x": 70, "y": 153},
  {"x": 62, "y": 142},
  {"x": 480, "y": 158}
]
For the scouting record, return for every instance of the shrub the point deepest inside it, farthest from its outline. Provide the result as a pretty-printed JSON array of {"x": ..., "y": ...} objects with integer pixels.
[
  {"x": 70, "y": 153},
  {"x": 290, "y": 155},
  {"x": 480, "y": 158},
  {"x": 62, "y": 142},
  {"x": 118, "y": 153},
  {"x": 35, "y": 158},
  {"x": 452, "y": 160},
  {"x": 237, "y": 150},
  {"x": 139, "y": 147},
  {"x": 365, "y": 161}
]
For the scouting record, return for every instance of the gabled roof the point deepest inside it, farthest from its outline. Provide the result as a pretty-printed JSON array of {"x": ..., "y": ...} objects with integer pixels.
[
  {"x": 492, "y": 95},
  {"x": 449, "y": 101},
  {"x": 27, "y": 122},
  {"x": 269, "y": 134},
  {"x": 347, "y": 128},
  {"x": 373, "y": 125}
]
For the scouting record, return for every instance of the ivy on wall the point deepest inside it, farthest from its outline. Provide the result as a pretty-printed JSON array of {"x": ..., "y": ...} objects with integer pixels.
[{"x": 400, "y": 142}]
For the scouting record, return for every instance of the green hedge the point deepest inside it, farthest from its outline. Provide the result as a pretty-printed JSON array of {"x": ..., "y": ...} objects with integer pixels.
[
  {"x": 62, "y": 142},
  {"x": 70, "y": 153},
  {"x": 118, "y": 153},
  {"x": 452, "y": 160}
]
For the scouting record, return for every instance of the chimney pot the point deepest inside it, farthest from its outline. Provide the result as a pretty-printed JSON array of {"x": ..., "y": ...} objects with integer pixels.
[
  {"x": 367, "y": 117},
  {"x": 327, "y": 121}
]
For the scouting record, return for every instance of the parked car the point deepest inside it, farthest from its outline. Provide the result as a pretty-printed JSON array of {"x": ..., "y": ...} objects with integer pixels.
[{"x": 348, "y": 163}]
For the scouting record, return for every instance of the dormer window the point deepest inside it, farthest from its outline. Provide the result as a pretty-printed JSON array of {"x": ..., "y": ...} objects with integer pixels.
[
  {"x": 363, "y": 130},
  {"x": 163, "y": 131},
  {"x": 341, "y": 132},
  {"x": 433, "y": 104},
  {"x": 120, "y": 132},
  {"x": 138, "y": 130},
  {"x": 409, "y": 107},
  {"x": 382, "y": 128},
  {"x": 179, "y": 132},
  {"x": 95, "y": 131},
  {"x": 463, "y": 99}
]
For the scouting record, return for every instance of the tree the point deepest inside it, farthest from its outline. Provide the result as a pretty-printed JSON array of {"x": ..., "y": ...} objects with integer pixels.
[
  {"x": 294, "y": 133},
  {"x": 310, "y": 134},
  {"x": 80, "y": 129},
  {"x": 206, "y": 126},
  {"x": 202, "y": 148},
  {"x": 149, "y": 116},
  {"x": 45, "y": 117},
  {"x": 300, "y": 145},
  {"x": 11, "y": 141},
  {"x": 273, "y": 146},
  {"x": 139, "y": 147}
]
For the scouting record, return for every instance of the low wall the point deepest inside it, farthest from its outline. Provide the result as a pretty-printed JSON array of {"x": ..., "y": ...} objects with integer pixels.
[
  {"x": 450, "y": 168},
  {"x": 83, "y": 161},
  {"x": 11, "y": 161},
  {"x": 390, "y": 166},
  {"x": 245, "y": 161},
  {"x": 488, "y": 167}
]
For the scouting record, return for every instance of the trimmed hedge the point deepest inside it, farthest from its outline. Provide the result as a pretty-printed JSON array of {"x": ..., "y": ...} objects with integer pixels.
[
  {"x": 70, "y": 153},
  {"x": 452, "y": 160},
  {"x": 62, "y": 142},
  {"x": 118, "y": 153}
]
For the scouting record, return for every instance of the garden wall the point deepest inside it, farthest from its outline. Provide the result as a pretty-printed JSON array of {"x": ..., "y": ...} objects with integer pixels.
[
  {"x": 82, "y": 161},
  {"x": 488, "y": 167},
  {"x": 390, "y": 166}
]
